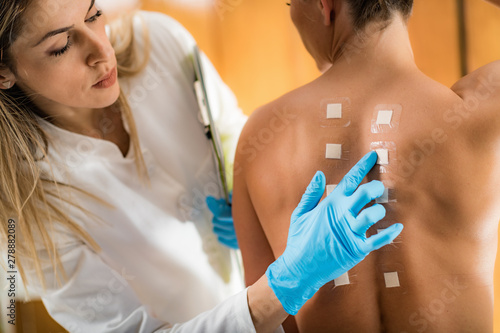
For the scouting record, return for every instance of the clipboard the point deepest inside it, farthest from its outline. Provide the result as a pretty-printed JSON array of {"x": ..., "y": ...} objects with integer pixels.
[{"x": 206, "y": 118}]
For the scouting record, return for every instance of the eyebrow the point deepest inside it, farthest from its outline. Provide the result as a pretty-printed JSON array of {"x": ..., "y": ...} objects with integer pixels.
[{"x": 61, "y": 30}]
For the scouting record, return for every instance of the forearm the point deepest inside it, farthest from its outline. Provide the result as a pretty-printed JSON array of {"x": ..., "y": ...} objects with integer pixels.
[{"x": 265, "y": 309}]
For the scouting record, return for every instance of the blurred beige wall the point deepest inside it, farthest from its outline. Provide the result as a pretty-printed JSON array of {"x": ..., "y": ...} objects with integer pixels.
[
  {"x": 259, "y": 55},
  {"x": 252, "y": 43}
]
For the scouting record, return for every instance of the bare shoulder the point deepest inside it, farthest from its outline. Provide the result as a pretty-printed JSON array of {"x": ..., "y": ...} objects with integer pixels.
[
  {"x": 264, "y": 167},
  {"x": 480, "y": 92},
  {"x": 482, "y": 84},
  {"x": 279, "y": 117},
  {"x": 280, "y": 111},
  {"x": 265, "y": 130}
]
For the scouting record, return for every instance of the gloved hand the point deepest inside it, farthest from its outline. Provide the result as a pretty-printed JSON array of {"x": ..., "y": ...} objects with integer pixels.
[
  {"x": 223, "y": 221},
  {"x": 327, "y": 240}
]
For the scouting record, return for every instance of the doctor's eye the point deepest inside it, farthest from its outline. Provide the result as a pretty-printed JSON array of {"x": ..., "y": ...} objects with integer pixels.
[
  {"x": 63, "y": 50},
  {"x": 95, "y": 17},
  {"x": 288, "y": 4}
]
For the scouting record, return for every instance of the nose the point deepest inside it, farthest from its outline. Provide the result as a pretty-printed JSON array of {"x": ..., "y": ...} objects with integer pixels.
[{"x": 99, "y": 49}]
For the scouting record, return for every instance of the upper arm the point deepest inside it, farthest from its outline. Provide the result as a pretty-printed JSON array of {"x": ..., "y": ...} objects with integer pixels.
[
  {"x": 264, "y": 194},
  {"x": 270, "y": 176},
  {"x": 255, "y": 249}
]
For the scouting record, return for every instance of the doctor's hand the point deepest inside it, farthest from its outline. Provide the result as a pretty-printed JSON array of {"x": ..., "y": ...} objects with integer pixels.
[
  {"x": 223, "y": 221},
  {"x": 326, "y": 240}
]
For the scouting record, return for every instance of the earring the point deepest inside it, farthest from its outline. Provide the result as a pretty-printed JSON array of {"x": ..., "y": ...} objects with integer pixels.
[{"x": 6, "y": 84}]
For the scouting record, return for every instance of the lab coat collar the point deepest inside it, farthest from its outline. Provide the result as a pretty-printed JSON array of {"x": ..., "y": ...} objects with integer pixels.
[{"x": 66, "y": 142}]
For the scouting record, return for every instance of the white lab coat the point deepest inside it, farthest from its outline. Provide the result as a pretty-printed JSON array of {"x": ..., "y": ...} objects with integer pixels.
[{"x": 160, "y": 263}]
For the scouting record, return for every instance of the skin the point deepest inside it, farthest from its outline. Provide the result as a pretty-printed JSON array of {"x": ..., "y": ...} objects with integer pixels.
[
  {"x": 445, "y": 179},
  {"x": 70, "y": 101},
  {"x": 62, "y": 87}
]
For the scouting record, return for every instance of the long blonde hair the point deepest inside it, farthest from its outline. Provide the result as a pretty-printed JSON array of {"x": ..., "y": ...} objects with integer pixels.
[{"x": 25, "y": 191}]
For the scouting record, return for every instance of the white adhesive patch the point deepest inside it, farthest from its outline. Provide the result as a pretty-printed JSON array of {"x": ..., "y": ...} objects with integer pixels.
[
  {"x": 334, "y": 151},
  {"x": 330, "y": 188},
  {"x": 391, "y": 280},
  {"x": 384, "y": 198},
  {"x": 342, "y": 280},
  {"x": 384, "y": 117},
  {"x": 383, "y": 156},
  {"x": 334, "y": 111}
]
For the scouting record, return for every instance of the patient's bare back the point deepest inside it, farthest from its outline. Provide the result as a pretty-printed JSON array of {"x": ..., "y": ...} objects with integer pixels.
[{"x": 438, "y": 153}]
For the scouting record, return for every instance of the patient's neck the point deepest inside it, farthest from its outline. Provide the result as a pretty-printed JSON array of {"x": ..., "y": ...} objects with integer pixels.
[{"x": 387, "y": 49}]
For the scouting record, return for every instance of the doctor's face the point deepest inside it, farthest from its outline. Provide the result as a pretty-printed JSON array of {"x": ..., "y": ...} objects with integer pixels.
[{"x": 63, "y": 57}]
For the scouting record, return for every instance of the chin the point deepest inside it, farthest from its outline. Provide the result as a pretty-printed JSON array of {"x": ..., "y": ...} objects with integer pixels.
[{"x": 112, "y": 96}]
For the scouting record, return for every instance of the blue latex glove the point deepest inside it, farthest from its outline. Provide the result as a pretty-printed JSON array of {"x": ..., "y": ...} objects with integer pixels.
[
  {"x": 326, "y": 240},
  {"x": 223, "y": 221}
]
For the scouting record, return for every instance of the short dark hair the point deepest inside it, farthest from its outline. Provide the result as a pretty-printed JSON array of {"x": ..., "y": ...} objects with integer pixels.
[{"x": 366, "y": 11}]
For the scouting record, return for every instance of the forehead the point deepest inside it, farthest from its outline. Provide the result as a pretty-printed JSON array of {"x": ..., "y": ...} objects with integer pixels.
[{"x": 42, "y": 16}]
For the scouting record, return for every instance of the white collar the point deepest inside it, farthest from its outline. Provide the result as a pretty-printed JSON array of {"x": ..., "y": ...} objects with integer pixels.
[{"x": 70, "y": 144}]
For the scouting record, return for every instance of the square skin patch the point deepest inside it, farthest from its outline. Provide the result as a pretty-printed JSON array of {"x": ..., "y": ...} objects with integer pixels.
[
  {"x": 342, "y": 280},
  {"x": 383, "y": 156},
  {"x": 384, "y": 198},
  {"x": 391, "y": 280},
  {"x": 384, "y": 117},
  {"x": 330, "y": 188},
  {"x": 334, "y": 151},
  {"x": 334, "y": 111}
]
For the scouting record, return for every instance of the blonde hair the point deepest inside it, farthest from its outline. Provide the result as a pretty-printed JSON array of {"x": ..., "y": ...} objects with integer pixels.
[{"x": 24, "y": 189}]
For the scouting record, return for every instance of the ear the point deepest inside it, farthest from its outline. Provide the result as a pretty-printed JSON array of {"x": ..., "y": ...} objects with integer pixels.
[
  {"x": 7, "y": 78},
  {"x": 326, "y": 7}
]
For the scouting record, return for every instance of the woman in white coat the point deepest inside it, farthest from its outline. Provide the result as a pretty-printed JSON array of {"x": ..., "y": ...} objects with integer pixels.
[{"x": 105, "y": 169}]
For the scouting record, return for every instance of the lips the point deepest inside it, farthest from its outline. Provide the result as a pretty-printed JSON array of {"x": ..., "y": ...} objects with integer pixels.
[{"x": 106, "y": 80}]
